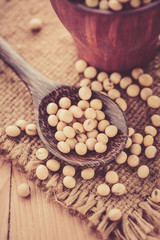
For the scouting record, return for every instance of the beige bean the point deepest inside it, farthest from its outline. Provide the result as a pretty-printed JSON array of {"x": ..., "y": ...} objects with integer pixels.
[
  {"x": 121, "y": 103},
  {"x": 53, "y": 165},
  {"x": 135, "y": 3},
  {"x": 90, "y": 143},
  {"x": 42, "y": 153},
  {"x": 59, "y": 136},
  {"x": 85, "y": 93},
  {"x": 92, "y": 134},
  {"x": 80, "y": 65},
  {"x": 118, "y": 189},
  {"x": 81, "y": 137},
  {"x": 131, "y": 131},
  {"x": 96, "y": 86},
  {"x": 100, "y": 115},
  {"x": 83, "y": 104},
  {"x": 146, "y": 93},
  {"x": 52, "y": 120},
  {"x": 41, "y": 172},
  {"x": 115, "y": 77},
  {"x": 133, "y": 90},
  {"x": 90, "y": 113},
  {"x": 135, "y": 149},
  {"x": 78, "y": 127},
  {"x": 125, "y": 82},
  {"x": 66, "y": 116},
  {"x": 69, "y": 171},
  {"x": 102, "y": 125},
  {"x": 21, "y": 124},
  {"x": 121, "y": 158},
  {"x": 76, "y": 111},
  {"x": 146, "y": 1},
  {"x": 59, "y": 111},
  {"x": 31, "y": 129},
  {"x": 88, "y": 124},
  {"x": 96, "y": 104},
  {"x": 23, "y": 190},
  {"x": 145, "y": 80},
  {"x": 60, "y": 126},
  {"x": 100, "y": 147},
  {"x": 103, "y": 4},
  {"x": 111, "y": 131},
  {"x": 85, "y": 82},
  {"x": 128, "y": 143},
  {"x": 107, "y": 84},
  {"x": 111, "y": 177},
  {"x": 115, "y": 5},
  {"x": 143, "y": 171},
  {"x": 137, "y": 138},
  {"x": 35, "y": 24},
  {"x": 69, "y": 132},
  {"x": 133, "y": 161},
  {"x": 65, "y": 102},
  {"x": 114, "y": 214},
  {"x": 151, "y": 130},
  {"x": 13, "y": 131},
  {"x": 101, "y": 137},
  {"x": 81, "y": 148},
  {"x": 155, "y": 120},
  {"x": 136, "y": 72},
  {"x": 90, "y": 72},
  {"x": 156, "y": 195},
  {"x": 103, "y": 189},
  {"x": 114, "y": 93},
  {"x": 153, "y": 101},
  {"x": 71, "y": 142},
  {"x": 91, "y": 3},
  {"x": 102, "y": 75},
  {"x": 69, "y": 182},
  {"x": 150, "y": 152},
  {"x": 63, "y": 147},
  {"x": 52, "y": 108},
  {"x": 148, "y": 140},
  {"x": 87, "y": 173}
]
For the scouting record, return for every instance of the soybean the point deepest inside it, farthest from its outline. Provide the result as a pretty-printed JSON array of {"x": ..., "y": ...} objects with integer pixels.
[
  {"x": 87, "y": 173},
  {"x": 53, "y": 165},
  {"x": 23, "y": 190},
  {"x": 13, "y": 131},
  {"x": 103, "y": 189},
  {"x": 69, "y": 182}
]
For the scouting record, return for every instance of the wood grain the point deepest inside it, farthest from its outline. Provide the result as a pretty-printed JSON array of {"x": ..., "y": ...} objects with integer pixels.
[
  {"x": 112, "y": 41},
  {"x": 5, "y": 174},
  {"x": 37, "y": 218}
]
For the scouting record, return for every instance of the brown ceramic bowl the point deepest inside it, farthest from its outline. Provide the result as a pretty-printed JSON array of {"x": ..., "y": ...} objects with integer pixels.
[{"x": 112, "y": 41}]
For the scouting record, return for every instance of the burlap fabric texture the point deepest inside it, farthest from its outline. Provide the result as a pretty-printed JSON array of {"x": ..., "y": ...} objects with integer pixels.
[{"x": 52, "y": 52}]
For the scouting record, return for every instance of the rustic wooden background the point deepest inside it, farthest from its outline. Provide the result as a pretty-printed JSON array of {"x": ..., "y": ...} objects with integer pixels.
[{"x": 34, "y": 217}]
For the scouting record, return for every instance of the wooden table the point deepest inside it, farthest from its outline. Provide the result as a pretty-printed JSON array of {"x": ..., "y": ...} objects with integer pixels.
[{"x": 34, "y": 218}]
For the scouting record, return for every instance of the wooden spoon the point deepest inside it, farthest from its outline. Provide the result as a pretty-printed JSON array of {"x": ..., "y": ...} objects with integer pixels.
[{"x": 44, "y": 91}]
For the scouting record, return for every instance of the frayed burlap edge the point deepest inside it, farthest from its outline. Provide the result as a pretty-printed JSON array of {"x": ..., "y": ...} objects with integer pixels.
[{"x": 142, "y": 223}]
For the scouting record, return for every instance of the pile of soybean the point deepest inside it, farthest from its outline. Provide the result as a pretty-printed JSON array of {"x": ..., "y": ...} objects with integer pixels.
[
  {"x": 114, "y": 5},
  {"x": 69, "y": 121}
]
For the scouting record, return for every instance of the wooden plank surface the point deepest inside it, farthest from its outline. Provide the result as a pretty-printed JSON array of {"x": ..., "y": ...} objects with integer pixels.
[
  {"x": 5, "y": 174},
  {"x": 34, "y": 217}
]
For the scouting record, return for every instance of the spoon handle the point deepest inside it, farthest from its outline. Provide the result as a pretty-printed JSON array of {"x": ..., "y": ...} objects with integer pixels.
[{"x": 33, "y": 79}]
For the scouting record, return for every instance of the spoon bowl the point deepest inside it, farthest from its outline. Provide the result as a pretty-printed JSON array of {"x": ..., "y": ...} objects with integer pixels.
[{"x": 44, "y": 91}]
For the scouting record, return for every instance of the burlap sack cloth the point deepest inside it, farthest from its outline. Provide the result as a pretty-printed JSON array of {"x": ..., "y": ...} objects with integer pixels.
[{"x": 51, "y": 51}]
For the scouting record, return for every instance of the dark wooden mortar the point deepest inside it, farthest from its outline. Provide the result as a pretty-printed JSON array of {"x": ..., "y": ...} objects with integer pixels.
[{"x": 112, "y": 41}]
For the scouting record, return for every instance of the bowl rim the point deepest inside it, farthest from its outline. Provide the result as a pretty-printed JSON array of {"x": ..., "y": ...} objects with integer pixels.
[{"x": 138, "y": 10}]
